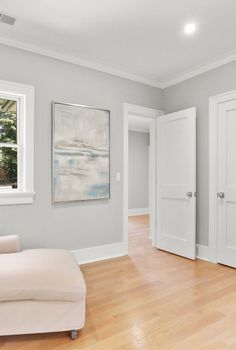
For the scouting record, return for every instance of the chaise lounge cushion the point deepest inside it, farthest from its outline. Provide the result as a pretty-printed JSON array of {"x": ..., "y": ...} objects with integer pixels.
[{"x": 41, "y": 274}]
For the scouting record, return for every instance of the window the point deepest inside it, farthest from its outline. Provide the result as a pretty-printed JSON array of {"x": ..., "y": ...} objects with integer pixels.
[{"x": 16, "y": 143}]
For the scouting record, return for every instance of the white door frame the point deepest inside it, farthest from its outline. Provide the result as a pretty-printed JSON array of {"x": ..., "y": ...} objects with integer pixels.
[
  {"x": 214, "y": 102},
  {"x": 146, "y": 113}
]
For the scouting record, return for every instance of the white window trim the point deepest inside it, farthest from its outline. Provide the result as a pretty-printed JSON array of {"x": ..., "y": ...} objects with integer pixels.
[{"x": 25, "y": 95}]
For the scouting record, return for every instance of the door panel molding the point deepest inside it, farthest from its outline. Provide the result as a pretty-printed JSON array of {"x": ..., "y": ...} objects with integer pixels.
[{"x": 214, "y": 104}]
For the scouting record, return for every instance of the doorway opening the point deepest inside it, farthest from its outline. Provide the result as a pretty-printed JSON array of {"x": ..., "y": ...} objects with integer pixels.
[
  {"x": 139, "y": 177},
  {"x": 139, "y": 183}
]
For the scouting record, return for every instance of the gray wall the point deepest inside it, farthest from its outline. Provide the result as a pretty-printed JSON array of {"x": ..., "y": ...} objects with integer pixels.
[
  {"x": 86, "y": 224},
  {"x": 196, "y": 92},
  {"x": 96, "y": 223},
  {"x": 138, "y": 169}
]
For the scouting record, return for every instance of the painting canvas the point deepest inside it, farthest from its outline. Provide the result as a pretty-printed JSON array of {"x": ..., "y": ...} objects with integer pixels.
[{"x": 81, "y": 153}]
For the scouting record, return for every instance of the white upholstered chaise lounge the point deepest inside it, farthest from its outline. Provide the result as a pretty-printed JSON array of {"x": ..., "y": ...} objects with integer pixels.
[{"x": 41, "y": 290}]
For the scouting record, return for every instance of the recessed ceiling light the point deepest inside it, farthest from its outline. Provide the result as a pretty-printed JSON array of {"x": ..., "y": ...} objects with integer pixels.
[{"x": 190, "y": 28}]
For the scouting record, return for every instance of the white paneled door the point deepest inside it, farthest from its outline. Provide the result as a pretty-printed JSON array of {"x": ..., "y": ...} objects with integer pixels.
[
  {"x": 176, "y": 183},
  {"x": 226, "y": 232}
]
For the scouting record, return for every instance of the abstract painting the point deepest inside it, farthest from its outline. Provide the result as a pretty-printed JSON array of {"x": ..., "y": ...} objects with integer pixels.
[{"x": 80, "y": 153}]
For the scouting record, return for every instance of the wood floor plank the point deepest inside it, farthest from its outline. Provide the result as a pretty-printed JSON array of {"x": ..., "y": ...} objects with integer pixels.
[{"x": 149, "y": 300}]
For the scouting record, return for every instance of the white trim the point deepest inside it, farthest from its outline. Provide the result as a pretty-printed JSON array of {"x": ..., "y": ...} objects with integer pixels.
[
  {"x": 16, "y": 198},
  {"x": 138, "y": 130},
  {"x": 147, "y": 113},
  {"x": 142, "y": 111},
  {"x": 214, "y": 101},
  {"x": 25, "y": 143},
  {"x": 153, "y": 178},
  {"x": 139, "y": 211},
  {"x": 80, "y": 62},
  {"x": 150, "y": 174},
  {"x": 230, "y": 57},
  {"x": 218, "y": 62},
  {"x": 202, "y": 252},
  {"x": 115, "y": 250},
  {"x": 109, "y": 251}
]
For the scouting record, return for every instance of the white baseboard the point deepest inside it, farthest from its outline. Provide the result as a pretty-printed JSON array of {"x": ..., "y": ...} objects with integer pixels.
[
  {"x": 202, "y": 252},
  {"x": 109, "y": 251},
  {"x": 103, "y": 252},
  {"x": 138, "y": 211}
]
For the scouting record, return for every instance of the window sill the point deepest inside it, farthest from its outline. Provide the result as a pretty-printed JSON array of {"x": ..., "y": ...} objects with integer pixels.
[{"x": 7, "y": 198}]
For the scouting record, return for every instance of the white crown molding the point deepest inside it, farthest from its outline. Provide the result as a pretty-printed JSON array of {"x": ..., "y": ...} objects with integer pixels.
[
  {"x": 80, "y": 62},
  {"x": 230, "y": 57},
  {"x": 201, "y": 69}
]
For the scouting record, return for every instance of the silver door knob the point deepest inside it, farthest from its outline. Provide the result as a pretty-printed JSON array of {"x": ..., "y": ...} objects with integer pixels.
[
  {"x": 221, "y": 195},
  {"x": 189, "y": 194}
]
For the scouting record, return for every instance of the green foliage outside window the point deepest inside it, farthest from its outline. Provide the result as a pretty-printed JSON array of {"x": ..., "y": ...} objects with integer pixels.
[{"x": 8, "y": 155}]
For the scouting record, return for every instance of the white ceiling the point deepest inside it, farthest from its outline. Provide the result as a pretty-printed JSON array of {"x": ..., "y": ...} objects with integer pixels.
[
  {"x": 137, "y": 123},
  {"x": 139, "y": 39}
]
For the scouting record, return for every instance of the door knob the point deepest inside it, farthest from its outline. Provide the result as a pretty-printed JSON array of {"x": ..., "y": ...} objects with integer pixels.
[
  {"x": 221, "y": 195},
  {"x": 189, "y": 194}
]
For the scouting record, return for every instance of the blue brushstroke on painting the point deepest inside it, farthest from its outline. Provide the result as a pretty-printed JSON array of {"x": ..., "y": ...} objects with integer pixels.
[
  {"x": 81, "y": 174},
  {"x": 98, "y": 190}
]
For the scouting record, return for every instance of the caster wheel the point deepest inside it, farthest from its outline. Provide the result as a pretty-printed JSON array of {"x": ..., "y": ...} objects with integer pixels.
[{"x": 74, "y": 334}]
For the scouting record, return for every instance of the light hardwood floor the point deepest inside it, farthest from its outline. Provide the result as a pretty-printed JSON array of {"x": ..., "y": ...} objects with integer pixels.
[{"x": 150, "y": 300}]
